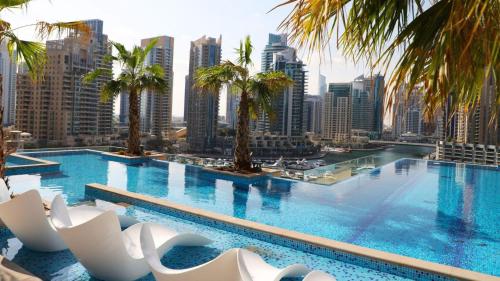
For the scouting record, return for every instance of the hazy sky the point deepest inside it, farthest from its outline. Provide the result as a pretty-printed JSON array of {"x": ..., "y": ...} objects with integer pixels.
[{"x": 129, "y": 21}]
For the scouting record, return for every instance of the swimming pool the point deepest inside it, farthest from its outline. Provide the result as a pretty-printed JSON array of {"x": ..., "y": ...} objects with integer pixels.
[
  {"x": 64, "y": 266},
  {"x": 434, "y": 211}
]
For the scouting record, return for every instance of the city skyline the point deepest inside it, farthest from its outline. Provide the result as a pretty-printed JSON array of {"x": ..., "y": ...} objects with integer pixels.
[{"x": 233, "y": 27}]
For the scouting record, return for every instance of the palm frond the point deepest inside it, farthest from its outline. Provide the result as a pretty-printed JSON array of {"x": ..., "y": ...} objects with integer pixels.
[
  {"x": 45, "y": 29},
  {"x": 451, "y": 47},
  {"x": 264, "y": 87},
  {"x": 99, "y": 72},
  {"x": 211, "y": 79},
  {"x": 31, "y": 53},
  {"x": 13, "y": 4},
  {"x": 111, "y": 89}
]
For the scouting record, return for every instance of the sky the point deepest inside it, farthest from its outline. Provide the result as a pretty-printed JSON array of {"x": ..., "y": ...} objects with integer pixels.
[{"x": 128, "y": 22}]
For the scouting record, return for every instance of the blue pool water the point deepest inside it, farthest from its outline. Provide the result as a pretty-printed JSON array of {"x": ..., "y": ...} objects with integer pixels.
[
  {"x": 64, "y": 266},
  {"x": 17, "y": 161},
  {"x": 437, "y": 212}
]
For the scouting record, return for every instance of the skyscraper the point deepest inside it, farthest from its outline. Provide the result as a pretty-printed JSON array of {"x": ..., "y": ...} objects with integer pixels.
[
  {"x": 362, "y": 105},
  {"x": 276, "y": 43},
  {"x": 156, "y": 108},
  {"x": 408, "y": 113},
  {"x": 337, "y": 113},
  {"x": 312, "y": 114},
  {"x": 232, "y": 103},
  {"x": 374, "y": 87},
  {"x": 287, "y": 107},
  {"x": 202, "y": 107},
  {"x": 8, "y": 84},
  {"x": 124, "y": 108},
  {"x": 63, "y": 109},
  {"x": 322, "y": 87}
]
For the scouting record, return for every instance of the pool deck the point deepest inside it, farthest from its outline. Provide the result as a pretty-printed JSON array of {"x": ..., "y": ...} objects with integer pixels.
[{"x": 421, "y": 265}]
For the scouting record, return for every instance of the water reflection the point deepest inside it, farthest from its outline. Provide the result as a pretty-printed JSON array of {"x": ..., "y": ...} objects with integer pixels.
[
  {"x": 404, "y": 166},
  {"x": 272, "y": 192},
  {"x": 240, "y": 199}
]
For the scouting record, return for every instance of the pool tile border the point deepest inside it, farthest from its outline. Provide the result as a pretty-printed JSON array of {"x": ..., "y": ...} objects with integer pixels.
[
  {"x": 374, "y": 259},
  {"x": 40, "y": 166}
]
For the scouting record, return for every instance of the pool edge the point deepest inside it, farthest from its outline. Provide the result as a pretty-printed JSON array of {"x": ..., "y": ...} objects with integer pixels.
[{"x": 315, "y": 241}]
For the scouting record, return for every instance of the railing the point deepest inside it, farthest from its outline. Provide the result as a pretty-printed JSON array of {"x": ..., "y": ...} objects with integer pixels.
[{"x": 335, "y": 172}]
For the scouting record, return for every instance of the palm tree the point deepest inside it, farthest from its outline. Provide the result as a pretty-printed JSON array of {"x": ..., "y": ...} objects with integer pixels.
[
  {"x": 256, "y": 94},
  {"x": 134, "y": 79},
  {"x": 449, "y": 46},
  {"x": 31, "y": 53}
]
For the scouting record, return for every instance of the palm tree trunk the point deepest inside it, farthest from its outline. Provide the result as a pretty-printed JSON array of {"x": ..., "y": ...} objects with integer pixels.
[
  {"x": 242, "y": 159},
  {"x": 134, "y": 138}
]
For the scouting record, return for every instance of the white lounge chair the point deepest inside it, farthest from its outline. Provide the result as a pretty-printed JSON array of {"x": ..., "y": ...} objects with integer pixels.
[
  {"x": 232, "y": 265},
  {"x": 317, "y": 275},
  {"x": 25, "y": 216},
  {"x": 109, "y": 253}
]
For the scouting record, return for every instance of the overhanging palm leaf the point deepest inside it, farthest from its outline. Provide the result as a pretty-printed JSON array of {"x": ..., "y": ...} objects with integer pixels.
[{"x": 449, "y": 46}]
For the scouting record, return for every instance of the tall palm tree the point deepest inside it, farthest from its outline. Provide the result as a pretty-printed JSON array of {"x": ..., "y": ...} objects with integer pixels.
[
  {"x": 134, "y": 79},
  {"x": 256, "y": 94},
  {"x": 450, "y": 46},
  {"x": 30, "y": 52}
]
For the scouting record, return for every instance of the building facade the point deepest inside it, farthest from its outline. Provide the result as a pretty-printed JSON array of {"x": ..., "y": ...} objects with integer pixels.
[
  {"x": 63, "y": 109},
  {"x": 337, "y": 113},
  {"x": 408, "y": 113},
  {"x": 287, "y": 108},
  {"x": 202, "y": 108},
  {"x": 156, "y": 108},
  {"x": 232, "y": 103},
  {"x": 312, "y": 114},
  {"x": 124, "y": 108},
  {"x": 8, "y": 85}
]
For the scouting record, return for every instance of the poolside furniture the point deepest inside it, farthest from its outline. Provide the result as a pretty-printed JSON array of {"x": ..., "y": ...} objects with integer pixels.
[
  {"x": 107, "y": 252},
  {"x": 318, "y": 276},
  {"x": 4, "y": 191},
  {"x": 232, "y": 265},
  {"x": 25, "y": 216}
]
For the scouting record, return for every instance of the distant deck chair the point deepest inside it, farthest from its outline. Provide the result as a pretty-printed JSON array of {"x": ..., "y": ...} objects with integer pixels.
[
  {"x": 232, "y": 265},
  {"x": 109, "y": 253}
]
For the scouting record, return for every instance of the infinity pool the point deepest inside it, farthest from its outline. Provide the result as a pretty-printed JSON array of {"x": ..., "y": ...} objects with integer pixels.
[{"x": 429, "y": 210}]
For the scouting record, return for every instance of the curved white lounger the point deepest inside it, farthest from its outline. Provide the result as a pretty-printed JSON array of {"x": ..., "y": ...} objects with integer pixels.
[
  {"x": 232, "y": 265},
  {"x": 110, "y": 254},
  {"x": 25, "y": 216},
  {"x": 318, "y": 276},
  {"x": 4, "y": 192}
]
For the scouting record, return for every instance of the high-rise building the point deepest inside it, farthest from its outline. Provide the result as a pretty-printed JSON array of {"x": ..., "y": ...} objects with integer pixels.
[
  {"x": 374, "y": 86},
  {"x": 287, "y": 119},
  {"x": 337, "y": 113},
  {"x": 62, "y": 108},
  {"x": 312, "y": 114},
  {"x": 8, "y": 85},
  {"x": 362, "y": 105},
  {"x": 124, "y": 108},
  {"x": 322, "y": 87},
  {"x": 408, "y": 113},
  {"x": 186, "y": 97},
  {"x": 276, "y": 43},
  {"x": 202, "y": 107},
  {"x": 156, "y": 108},
  {"x": 232, "y": 103}
]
